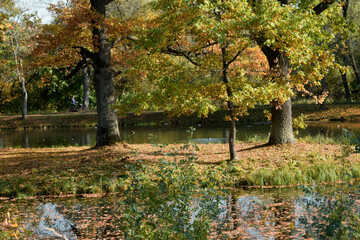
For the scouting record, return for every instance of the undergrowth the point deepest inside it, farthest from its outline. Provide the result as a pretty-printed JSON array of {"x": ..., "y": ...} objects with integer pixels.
[{"x": 172, "y": 199}]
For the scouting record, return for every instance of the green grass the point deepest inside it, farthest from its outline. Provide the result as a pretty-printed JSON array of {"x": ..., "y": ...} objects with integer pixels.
[
  {"x": 325, "y": 139},
  {"x": 321, "y": 171}
]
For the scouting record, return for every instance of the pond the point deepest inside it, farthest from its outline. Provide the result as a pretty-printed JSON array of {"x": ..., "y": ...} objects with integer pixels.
[
  {"x": 52, "y": 137},
  {"x": 245, "y": 214}
]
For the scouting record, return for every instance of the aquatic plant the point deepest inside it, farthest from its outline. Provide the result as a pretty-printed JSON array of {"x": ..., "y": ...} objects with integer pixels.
[
  {"x": 338, "y": 217},
  {"x": 173, "y": 199}
]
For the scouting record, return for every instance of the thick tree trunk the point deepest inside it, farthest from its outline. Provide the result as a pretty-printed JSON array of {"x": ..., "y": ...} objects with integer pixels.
[
  {"x": 281, "y": 124},
  {"x": 86, "y": 84},
  {"x": 108, "y": 128},
  {"x": 281, "y": 118},
  {"x": 346, "y": 87}
]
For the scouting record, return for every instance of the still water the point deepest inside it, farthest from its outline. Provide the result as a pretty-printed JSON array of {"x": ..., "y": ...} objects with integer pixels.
[
  {"x": 288, "y": 213},
  {"x": 164, "y": 134}
]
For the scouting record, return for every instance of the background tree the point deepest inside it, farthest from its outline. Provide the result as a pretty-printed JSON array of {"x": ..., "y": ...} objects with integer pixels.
[{"x": 19, "y": 27}]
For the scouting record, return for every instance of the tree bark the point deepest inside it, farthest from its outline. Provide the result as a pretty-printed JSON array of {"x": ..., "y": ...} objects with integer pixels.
[
  {"x": 24, "y": 100},
  {"x": 20, "y": 74},
  {"x": 231, "y": 108},
  {"x": 324, "y": 89},
  {"x": 355, "y": 67},
  {"x": 108, "y": 128},
  {"x": 281, "y": 116},
  {"x": 86, "y": 84},
  {"x": 346, "y": 87},
  {"x": 281, "y": 124}
]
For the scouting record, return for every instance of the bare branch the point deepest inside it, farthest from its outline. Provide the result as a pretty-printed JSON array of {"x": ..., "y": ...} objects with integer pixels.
[
  {"x": 32, "y": 77},
  {"x": 117, "y": 73},
  {"x": 235, "y": 57},
  {"x": 322, "y": 6},
  {"x": 77, "y": 68},
  {"x": 108, "y": 1},
  {"x": 84, "y": 52}
]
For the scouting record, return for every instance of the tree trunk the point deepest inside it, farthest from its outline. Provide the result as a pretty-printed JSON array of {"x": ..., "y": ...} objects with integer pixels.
[
  {"x": 355, "y": 67},
  {"x": 279, "y": 63},
  {"x": 346, "y": 87},
  {"x": 231, "y": 108},
  {"x": 281, "y": 118},
  {"x": 20, "y": 74},
  {"x": 86, "y": 84},
  {"x": 281, "y": 124},
  {"x": 24, "y": 100},
  {"x": 324, "y": 89},
  {"x": 108, "y": 128}
]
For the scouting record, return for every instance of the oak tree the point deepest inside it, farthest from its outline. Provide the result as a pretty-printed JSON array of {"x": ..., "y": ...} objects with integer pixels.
[{"x": 84, "y": 34}]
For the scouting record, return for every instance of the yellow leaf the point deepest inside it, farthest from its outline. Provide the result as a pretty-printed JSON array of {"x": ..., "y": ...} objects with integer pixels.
[
  {"x": 8, "y": 25},
  {"x": 14, "y": 225}
]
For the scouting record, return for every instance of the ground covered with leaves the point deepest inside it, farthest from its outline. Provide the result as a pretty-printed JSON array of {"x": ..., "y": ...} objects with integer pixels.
[{"x": 84, "y": 170}]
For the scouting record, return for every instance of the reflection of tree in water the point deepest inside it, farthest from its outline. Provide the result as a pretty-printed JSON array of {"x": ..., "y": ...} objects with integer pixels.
[
  {"x": 244, "y": 217},
  {"x": 76, "y": 221},
  {"x": 97, "y": 219},
  {"x": 52, "y": 223}
]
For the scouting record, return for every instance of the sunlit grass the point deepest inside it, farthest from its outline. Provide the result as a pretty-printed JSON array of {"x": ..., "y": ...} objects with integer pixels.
[{"x": 325, "y": 139}]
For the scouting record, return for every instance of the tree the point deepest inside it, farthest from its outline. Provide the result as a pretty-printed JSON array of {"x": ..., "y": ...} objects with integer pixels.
[
  {"x": 211, "y": 40},
  {"x": 108, "y": 128},
  {"x": 281, "y": 33},
  {"x": 212, "y": 35},
  {"x": 84, "y": 32},
  {"x": 19, "y": 27}
]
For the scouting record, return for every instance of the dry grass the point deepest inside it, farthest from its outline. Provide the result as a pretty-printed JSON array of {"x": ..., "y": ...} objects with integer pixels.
[{"x": 22, "y": 161}]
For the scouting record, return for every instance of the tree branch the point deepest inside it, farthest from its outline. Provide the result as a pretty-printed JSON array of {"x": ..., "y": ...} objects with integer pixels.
[
  {"x": 117, "y": 73},
  {"x": 108, "y": 1},
  {"x": 235, "y": 57},
  {"x": 77, "y": 68},
  {"x": 180, "y": 53},
  {"x": 84, "y": 52},
  {"x": 322, "y": 6},
  {"x": 32, "y": 77}
]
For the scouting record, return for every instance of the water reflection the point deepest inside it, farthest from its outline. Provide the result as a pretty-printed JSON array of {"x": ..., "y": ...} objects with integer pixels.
[
  {"x": 52, "y": 223},
  {"x": 164, "y": 134},
  {"x": 272, "y": 215}
]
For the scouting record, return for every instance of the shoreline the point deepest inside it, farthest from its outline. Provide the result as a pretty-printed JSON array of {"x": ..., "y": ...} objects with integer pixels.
[{"x": 334, "y": 113}]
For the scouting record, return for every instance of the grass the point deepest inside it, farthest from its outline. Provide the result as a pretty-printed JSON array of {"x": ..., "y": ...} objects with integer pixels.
[
  {"x": 325, "y": 139},
  {"x": 82, "y": 170},
  {"x": 64, "y": 171}
]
